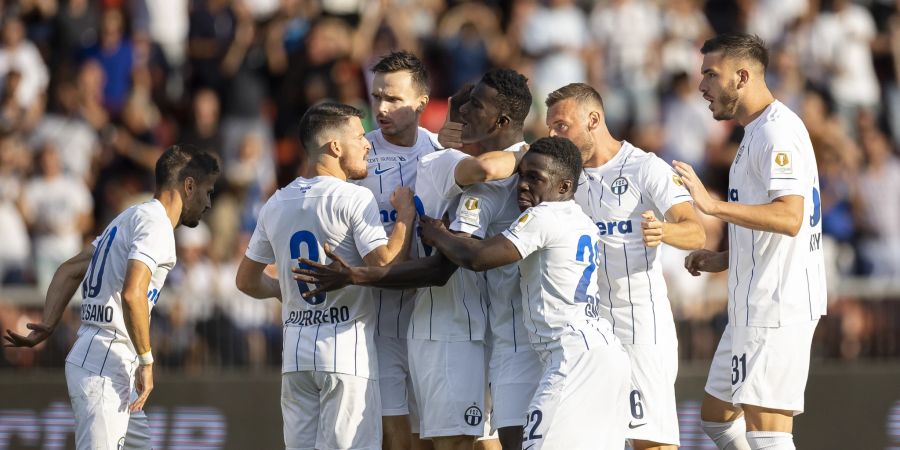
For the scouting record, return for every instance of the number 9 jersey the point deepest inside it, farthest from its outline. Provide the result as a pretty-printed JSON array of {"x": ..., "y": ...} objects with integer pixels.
[
  {"x": 334, "y": 331},
  {"x": 144, "y": 233}
]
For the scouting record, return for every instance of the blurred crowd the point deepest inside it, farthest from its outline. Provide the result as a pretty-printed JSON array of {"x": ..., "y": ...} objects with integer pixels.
[{"x": 92, "y": 91}]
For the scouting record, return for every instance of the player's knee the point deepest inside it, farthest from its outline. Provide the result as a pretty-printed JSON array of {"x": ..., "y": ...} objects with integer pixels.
[
  {"x": 770, "y": 440},
  {"x": 650, "y": 445},
  {"x": 714, "y": 410},
  {"x": 727, "y": 435},
  {"x": 453, "y": 442}
]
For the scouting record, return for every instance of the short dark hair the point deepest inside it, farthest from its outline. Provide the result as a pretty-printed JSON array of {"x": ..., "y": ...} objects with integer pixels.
[
  {"x": 403, "y": 60},
  {"x": 581, "y": 92},
  {"x": 512, "y": 92},
  {"x": 458, "y": 99},
  {"x": 323, "y": 117},
  {"x": 179, "y": 162},
  {"x": 738, "y": 45},
  {"x": 567, "y": 158}
]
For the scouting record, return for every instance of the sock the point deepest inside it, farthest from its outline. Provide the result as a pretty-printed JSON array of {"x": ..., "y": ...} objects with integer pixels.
[
  {"x": 770, "y": 440},
  {"x": 727, "y": 435}
]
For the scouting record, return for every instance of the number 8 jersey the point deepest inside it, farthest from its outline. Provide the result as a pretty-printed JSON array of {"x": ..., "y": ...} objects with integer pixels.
[
  {"x": 144, "y": 233},
  {"x": 334, "y": 331}
]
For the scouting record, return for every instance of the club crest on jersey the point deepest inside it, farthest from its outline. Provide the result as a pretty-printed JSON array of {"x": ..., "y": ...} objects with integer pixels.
[
  {"x": 523, "y": 220},
  {"x": 784, "y": 163},
  {"x": 473, "y": 415},
  {"x": 619, "y": 186}
]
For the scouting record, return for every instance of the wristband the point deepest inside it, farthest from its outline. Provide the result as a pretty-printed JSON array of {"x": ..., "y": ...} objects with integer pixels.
[{"x": 146, "y": 359}]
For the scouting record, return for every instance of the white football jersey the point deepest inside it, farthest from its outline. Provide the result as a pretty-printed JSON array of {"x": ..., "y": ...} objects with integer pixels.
[
  {"x": 334, "y": 331},
  {"x": 632, "y": 289},
  {"x": 144, "y": 233},
  {"x": 392, "y": 166},
  {"x": 560, "y": 249},
  {"x": 775, "y": 279},
  {"x": 485, "y": 210},
  {"x": 455, "y": 311}
]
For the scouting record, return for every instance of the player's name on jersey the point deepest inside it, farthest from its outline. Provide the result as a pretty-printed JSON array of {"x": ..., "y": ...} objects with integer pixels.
[
  {"x": 96, "y": 313},
  {"x": 308, "y": 317}
]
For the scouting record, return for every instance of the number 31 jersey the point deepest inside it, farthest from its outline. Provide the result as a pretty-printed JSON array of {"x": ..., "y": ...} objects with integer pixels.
[
  {"x": 334, "y": 331},
  {"x": 143, "y": 233}
]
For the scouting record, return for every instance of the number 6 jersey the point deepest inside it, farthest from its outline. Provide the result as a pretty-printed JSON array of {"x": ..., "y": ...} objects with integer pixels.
[
  {"x": 334, "y": 331},
  {"x": 144, "y": 233}
]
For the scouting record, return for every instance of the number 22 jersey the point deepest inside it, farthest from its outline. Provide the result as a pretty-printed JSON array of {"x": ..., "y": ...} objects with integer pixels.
[{"x": 334, "y": 331}]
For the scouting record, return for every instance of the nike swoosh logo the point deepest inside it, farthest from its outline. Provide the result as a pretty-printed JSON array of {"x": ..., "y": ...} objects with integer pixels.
[
  {"x": 379, "y": 172},
  {"x": 635, "y": 426},
  {"x": 526, "y": 448}
]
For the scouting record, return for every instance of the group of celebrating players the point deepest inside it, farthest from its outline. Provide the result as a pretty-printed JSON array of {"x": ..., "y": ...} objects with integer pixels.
[{"x": 470, "y": 290}]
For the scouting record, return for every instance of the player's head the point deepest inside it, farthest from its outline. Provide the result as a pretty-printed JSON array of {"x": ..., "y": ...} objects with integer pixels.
[
  {"x": 193, "y": 173},
  {"x": 548, "y": 172},
  {"x": 333, "y": 135},
  {"x": 499, "y": 102},
  {"x": 399, "y": 92},
  {"x": 734, "y": 65},
  {"x": 575, "y": 112}
]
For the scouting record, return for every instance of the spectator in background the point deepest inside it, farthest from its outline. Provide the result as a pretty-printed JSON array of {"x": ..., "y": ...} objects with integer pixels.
[
  {"x": 168, "y": 28},
  {"x": 879, "y": 188},
  {"x": 16, "y": 249},
  {"x": 57, "y": 208},
  {"x": 687, "y": 126},
  {"x": 20, "y": 55},
  {"x": 684, "y": 30},
  {"x": 204, "y": 131},
  {"x": 210, "y": 32},
  {"x": 471, "y": 42},
  {"x": 12, "y": 114},
  {"x": 115, "y": 55},
  {"x": 76, "y": 26}
]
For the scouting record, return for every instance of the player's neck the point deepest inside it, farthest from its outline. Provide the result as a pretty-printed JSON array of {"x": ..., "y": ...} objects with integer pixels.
[
  {"x": 320, "y": 169},
  {"x": 606, "y": 148},
  {"x": 171, "y": 201},
  {"x": 502, "y": 140},
  {"x": 753, "y": 106},
  {"x": 406, "y": 138}
]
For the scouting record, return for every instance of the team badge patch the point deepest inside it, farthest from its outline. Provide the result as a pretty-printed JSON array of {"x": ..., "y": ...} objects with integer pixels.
[
  {"x": 783, "y": 163},
  {"x": 523, "y": 220},
  {"x": 619, "y": 186},
  {"x": 469, "y": 211},
  {"x": 473, "y": 415}
]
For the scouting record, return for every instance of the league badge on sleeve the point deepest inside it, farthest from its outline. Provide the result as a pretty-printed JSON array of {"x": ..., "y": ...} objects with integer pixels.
[
  {"x": 783, "y": 163},
  {"x": 469, "y": 211},
  {"x": 523, "y": 220}
]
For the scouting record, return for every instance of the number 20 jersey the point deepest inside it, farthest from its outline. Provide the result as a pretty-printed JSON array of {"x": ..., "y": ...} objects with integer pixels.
[
  {"x": 143, "y": 233},
  {"x": 332, "y": 332}
]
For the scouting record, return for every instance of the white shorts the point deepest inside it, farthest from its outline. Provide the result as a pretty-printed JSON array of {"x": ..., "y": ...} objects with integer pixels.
[
  {"x": 579, "y": 401},
  {"x": 100, "y": 407},
  {"x": 330, "y": 411},
  {"x": 762, "y": 366},
  {"x": 652, "y": 407},
  {"x": 513, "y": 378},
  {"x": 393, "y": 377},
  {"x": 448, "y": 381}
]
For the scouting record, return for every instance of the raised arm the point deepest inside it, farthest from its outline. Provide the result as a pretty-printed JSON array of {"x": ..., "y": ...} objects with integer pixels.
[
  {"x": 490, "y": 166},
  {"x": 62, "y": 288},
  {"x": 397, "y": 247}
]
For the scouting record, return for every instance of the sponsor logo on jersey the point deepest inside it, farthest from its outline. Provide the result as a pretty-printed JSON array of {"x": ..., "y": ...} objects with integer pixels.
[
  {"x": 473, "y": 415},
  {"x": 96, "y": 313},
  {"x": 784, "y": 164},
  {"x": 619, "y": 186},
  {"x": 309, "y": 317},
  {"x": 381, "y": 171},
  {"x": 615, "y": 227},
  {"x": 386, "y": 159},
  {"x": 732, "y": 195}
]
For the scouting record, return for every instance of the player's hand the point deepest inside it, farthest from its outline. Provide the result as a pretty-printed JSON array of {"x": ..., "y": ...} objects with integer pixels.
[
  {"x": 326, "y": 278},
  {"x": 450, "y": 135},
  {"x": 705, "y": 261},
  {"x": 143, "y": 382},
  {"x": 652, "y": 229},
  {"x": 402, "y": 201},
  {"x": 431, "y": 229},
  {"x": 704, "y": 202},
  {"x": 39, "y": 333}
]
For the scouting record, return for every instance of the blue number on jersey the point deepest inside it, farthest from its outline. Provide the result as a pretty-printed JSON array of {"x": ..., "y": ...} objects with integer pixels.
[
  {"x": 817, "y": 208},
  {"x": 584, "y": 242},
  {"x": 420, "y": 209},
  {"x": 312, "y": 250},
  {"x": 93, "y": 280}
]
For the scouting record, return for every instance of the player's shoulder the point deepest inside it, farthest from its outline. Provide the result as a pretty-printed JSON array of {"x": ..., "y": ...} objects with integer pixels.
[
  {"x": 151, "y": 211},
  {"x": 442, "y": 157},
  {"x": 778, "y": 123}
]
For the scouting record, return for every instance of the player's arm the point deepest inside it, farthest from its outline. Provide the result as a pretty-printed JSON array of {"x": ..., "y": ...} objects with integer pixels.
[
  {"x": 397, "y": 247},
  {"x": 65, "y": 282},
  {"x": 783, "y": 215},
  {"x": 490, "y": 166},
  {"x": 252, "y": 280},
  {"x": 472, "y": 254},
  {"x": 136, "y": 311},
  {"x": 706, "y": 261},
  {"x": 682, "y": 228}
]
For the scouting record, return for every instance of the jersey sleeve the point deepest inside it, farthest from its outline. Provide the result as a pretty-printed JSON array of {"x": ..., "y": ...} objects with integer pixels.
[
  {"x": 365, "y": 223},
  {"x": 260, "y": 248},
  {"x": 664, "y": 185},
  {"x": 152, "y": 241},
  {"x": 439, "y": 171},
  {"x": 527, "y": 233},
  {"x": 781, "y": 164},
  {"x": 475, "y": 212}
]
